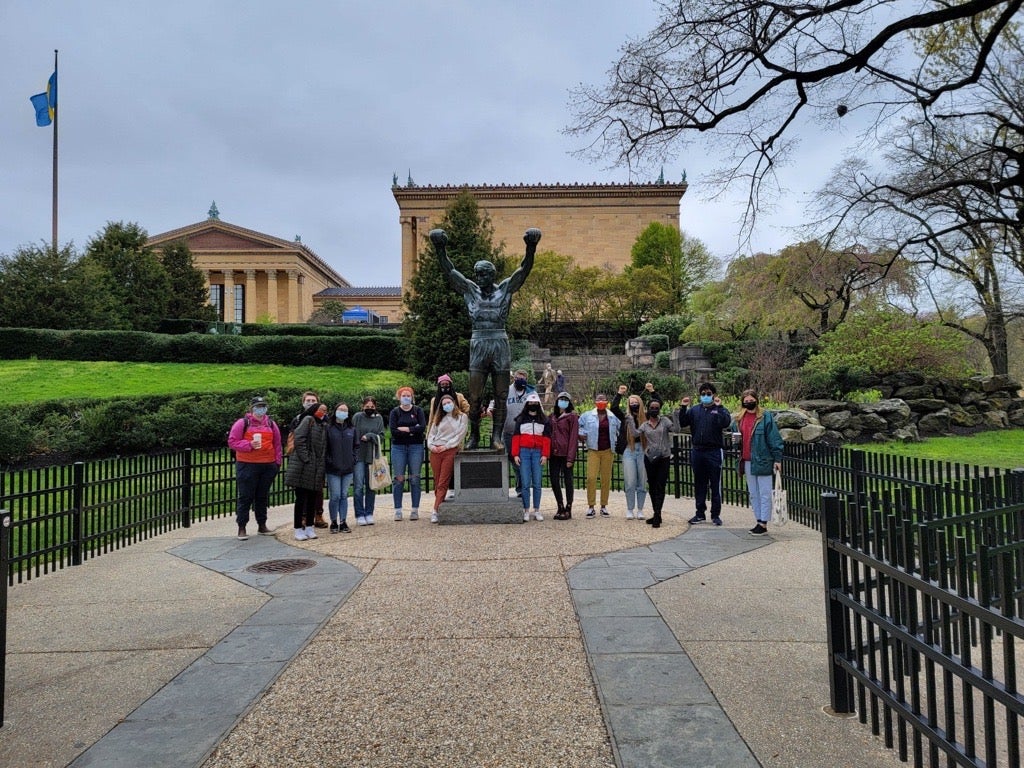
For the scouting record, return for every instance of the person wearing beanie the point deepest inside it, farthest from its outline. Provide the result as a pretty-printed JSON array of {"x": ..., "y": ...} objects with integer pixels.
[
  {"x": 408, "y": 425},
  {"x": 307, "y": 468},
  {"x": 530, "y": 450},
  {"x": 564, "y": 431},
  {"x": 706, "y": 420},
  {"x": 446, "y": 387}
]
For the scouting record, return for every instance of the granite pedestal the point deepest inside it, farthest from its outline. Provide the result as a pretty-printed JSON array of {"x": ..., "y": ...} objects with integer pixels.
[{"x": 481, "y": 491}]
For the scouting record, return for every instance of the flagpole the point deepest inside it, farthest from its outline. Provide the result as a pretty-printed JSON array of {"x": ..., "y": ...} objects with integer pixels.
[{"x": 56, "y": 112}]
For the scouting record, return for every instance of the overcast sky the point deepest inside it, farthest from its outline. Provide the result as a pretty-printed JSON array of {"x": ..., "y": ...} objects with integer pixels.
[{"x": 294, "y": 116}]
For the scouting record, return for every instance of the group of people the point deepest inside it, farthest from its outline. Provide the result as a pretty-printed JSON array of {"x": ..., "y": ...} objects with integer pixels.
[{"x": 338, "y": 449}]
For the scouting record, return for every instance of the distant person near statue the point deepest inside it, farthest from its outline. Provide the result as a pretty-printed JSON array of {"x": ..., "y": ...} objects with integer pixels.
[{"x": 488, "y": 305}]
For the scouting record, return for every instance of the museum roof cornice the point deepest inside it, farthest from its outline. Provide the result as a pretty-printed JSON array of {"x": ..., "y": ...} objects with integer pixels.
[{"x": 514, "y": 191}]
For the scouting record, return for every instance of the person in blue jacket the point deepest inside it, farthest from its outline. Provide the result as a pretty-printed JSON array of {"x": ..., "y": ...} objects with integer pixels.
[
  {"x": 761, "y": 449},
  {"x": 706, "y": 420}
]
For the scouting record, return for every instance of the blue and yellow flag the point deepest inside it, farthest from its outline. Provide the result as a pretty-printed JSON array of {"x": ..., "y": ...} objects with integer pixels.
[{"x": 46, "y": 103}]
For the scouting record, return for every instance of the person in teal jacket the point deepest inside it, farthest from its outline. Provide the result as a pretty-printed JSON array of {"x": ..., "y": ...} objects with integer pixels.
[{"x": 761, "y": 449}]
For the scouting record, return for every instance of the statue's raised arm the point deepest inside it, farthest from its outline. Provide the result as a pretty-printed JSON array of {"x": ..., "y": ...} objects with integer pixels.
[
  {"x": 458, "y": 281},
  {"x": 531, "y": 238}
]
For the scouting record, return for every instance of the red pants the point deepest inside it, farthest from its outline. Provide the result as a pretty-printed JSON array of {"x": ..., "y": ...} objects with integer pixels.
[{"x": 442, "y": 465}]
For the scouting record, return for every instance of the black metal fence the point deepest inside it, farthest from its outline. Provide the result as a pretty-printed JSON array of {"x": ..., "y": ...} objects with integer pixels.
[{"x": 924, "y": 628}]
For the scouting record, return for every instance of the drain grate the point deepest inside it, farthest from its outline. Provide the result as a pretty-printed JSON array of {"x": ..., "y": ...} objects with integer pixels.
[{"x": 289, "y": 565}]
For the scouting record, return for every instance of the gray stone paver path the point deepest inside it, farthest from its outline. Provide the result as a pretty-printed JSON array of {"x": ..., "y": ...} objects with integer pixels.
[
  {"x": 658, "y": 709},
  {"x": 187, "y": 718}
]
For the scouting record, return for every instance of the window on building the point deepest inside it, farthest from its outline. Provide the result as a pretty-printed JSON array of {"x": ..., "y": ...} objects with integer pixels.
[
  {"x": 239, "y": 308},
  {"x": 217, "y": 300}
]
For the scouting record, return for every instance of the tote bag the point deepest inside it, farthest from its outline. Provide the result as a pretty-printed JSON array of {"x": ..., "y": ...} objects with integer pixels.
[
  {"x": 380, "y": 473},
  {"x": 780, "y": 504}
]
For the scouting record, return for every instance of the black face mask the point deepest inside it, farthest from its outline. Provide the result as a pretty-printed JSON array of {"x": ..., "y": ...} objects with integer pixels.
[
  {"x": 533, "y": 411},
  {"x": 634, "y": 407},
  {"x": 446, "y": 390},
  {"x": 369, "y": 411},
  {"x": 750, "y": 406},
  {"x": 654, "y": 413}
]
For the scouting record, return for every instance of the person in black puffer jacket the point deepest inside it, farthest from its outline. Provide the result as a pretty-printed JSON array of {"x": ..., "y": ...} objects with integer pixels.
[{"x": 307, "y": 468}]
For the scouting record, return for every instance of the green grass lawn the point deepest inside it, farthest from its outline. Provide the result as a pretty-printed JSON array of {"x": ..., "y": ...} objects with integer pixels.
[
  {"x": 27, "y": 381},
  {"x": 1000, "y": 448}
]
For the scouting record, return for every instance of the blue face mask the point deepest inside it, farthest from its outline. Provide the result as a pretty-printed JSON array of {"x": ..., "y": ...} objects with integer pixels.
[
  {"x": 406, "y": 400},
  {"x": 261, "y": 411},
  {"x": 448, "y": 407},
  {"x": 341, "y": 415},
  {"x": 563, "y": 404},
  {"x": 706, "y": 399}
]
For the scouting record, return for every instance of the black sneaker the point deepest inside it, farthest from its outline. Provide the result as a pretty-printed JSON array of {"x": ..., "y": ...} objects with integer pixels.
[
  {"x": 334, "y": 527},
  {"x": 697, "y": 519},
  {"x": 758, "y": 530},
  {"x": 343, "y": 528},
  {"x": 716, "y": 520}
]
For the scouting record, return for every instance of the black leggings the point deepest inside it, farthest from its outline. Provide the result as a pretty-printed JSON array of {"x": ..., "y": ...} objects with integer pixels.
[
  {"x": 559, "y": 472},
  {"x": 657, "y": 479},
  {"x": 305, "y": 507}
]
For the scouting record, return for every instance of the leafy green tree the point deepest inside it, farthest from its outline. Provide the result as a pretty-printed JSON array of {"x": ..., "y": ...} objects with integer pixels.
[
  {"x": 134, "y": 283},
  {"x": 882, "y": 341},
  {"x": 437, "y": 326},
  {"x": 189, "y": 297},
  {"x": 328, "y": 312},
  {"x": 41, "y": 288},
  {"x": 685, "y": 261}
]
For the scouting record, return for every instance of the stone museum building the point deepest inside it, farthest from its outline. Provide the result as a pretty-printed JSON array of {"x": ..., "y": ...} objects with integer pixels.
[
  {"x": 252, "y": 275},
  {"x": 595, "y": 224}
]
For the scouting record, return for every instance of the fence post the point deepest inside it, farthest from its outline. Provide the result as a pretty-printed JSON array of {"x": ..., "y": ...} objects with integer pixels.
[
  {"x": 1017, "y": 485},
  {"x": 5, "y": 567},
  {"x": 858, "y": 465},
  {"x": 839, "y": 681},
  {"x": 77, "y": 502},
  {"x": 186, "y": 489}
]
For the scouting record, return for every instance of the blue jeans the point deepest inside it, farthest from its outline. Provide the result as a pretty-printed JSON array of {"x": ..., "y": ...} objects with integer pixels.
[
  {"x": 530, "y": 471},
  {"x": 634, "y": 477},
  {"x": 760, "y": 487},
  {"x": 365, "y": 496},
  {"x": 507, "y": 439},
  {"x": 407, "y": 461},
  {"x": 337, "y": 487},
  {"x": 254, "y": 483}
]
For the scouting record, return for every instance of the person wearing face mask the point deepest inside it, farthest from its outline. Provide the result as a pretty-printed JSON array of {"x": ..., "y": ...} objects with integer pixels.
[
  {"x": 256, "y": 440},
  {"x": 656, "y": 433},
  {"x": 634, "y": 470},
  {"x": 342, "y": 445},
  {"x": 600, "y": 428},
  {"x": 761, "y": 450},
  {"x": 307, "y": 468},
  {"x": 706, "y": 421},
  {"x": 531, "y": 447},
  {"x": 444, "y": 439},
  {"x": 308, "y": 398},
  {"x": 518, "y": 391},
  {"x": 446, "y": 387},
  {"x": 408, "y": 425},
  {"x": 564, "y": 431},
  {"x": 369, "y": 426}
]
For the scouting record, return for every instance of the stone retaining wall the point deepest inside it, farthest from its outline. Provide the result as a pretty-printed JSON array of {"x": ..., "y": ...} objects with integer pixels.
[{"x": 912, "y": 406}]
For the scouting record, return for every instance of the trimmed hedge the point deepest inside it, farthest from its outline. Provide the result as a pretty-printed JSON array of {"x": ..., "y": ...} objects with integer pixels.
[{"x": 372, "y": 350}]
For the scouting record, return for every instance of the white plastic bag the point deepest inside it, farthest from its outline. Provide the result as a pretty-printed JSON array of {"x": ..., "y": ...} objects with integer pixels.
[{"x": 780, "y": 504}]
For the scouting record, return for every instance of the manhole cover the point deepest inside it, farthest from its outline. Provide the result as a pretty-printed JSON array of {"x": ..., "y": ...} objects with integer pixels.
[{"x": 290, "y": 565}]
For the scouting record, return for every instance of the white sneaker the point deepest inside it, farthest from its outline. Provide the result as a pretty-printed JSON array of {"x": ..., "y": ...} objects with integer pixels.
[
  {"x": 526, "y": 517},
  {"x": 434, "y": 518},
  {"x": 629, "y": 514},
  {"x": 605, "y": 512},
  {"x": 414, "y": 515},
  {"x": 398, "y": 514},
  {"x": 360, "y": 521},
  {"x": 369, "y": 519},
  {"x": 639, "y": 514},
  {"x": 538, "y": 516},
  {"x": 311, "y": 532},
  {"x": 300, "y": 534}
]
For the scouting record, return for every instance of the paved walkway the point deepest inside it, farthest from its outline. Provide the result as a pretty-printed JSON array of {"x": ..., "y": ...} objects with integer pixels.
[{"x": 587, "y": 643}]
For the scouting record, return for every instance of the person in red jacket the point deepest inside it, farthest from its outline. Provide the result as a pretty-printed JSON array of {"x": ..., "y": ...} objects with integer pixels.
[
  {"x": 256, "y": 440},
  {"x": 530, "y": 451},
  {"x": 564, "y": 431}
]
